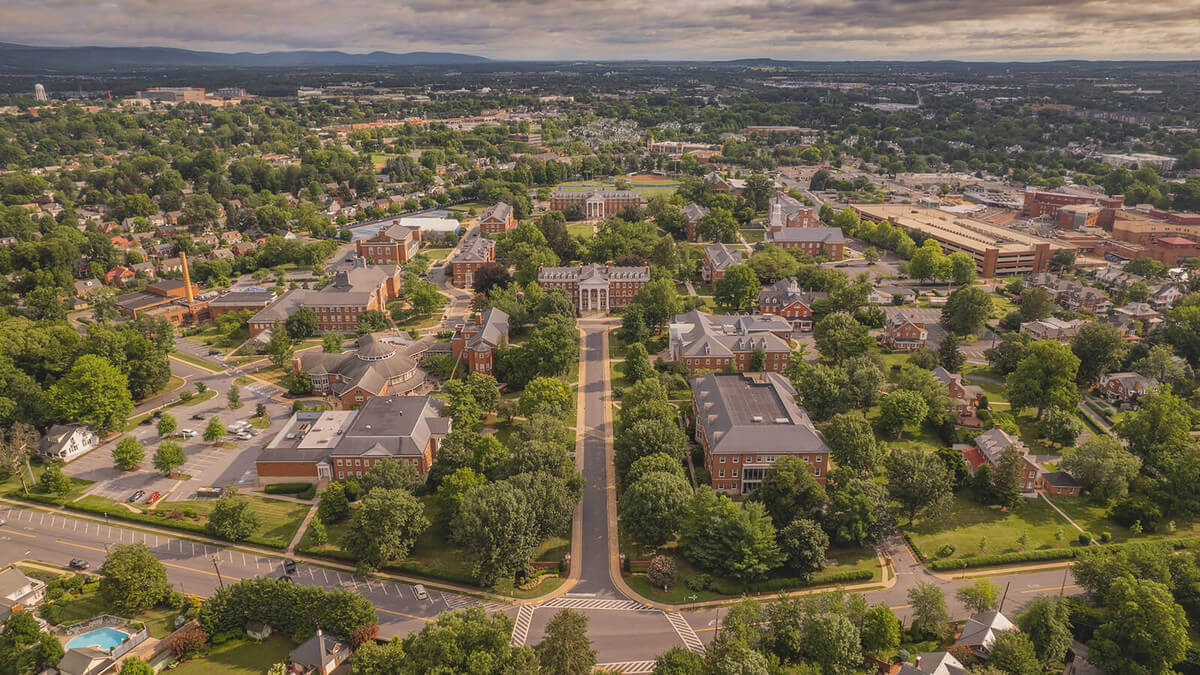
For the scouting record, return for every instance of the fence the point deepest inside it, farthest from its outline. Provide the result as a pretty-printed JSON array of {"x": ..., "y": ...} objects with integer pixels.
[
  {"x": 102, "y": 621},
  {"x": 132, "y": 641}
]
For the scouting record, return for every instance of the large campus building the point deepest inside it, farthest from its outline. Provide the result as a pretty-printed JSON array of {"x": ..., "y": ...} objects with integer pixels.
[
  {"x": 997, "y": 250},
  {"x": 379, "y": 367},
  {"x": 597, "y": 204},
  {"x": 596, "y": 289},
  {"x": 745, "y": 422},
  {"x": 352, "y": 292},
  {"x": 1048, "y": 203},
  {"x": 321, "y": 446},
  {"x": 715, "y": 342},
  {"x": 393, "y": 244}
]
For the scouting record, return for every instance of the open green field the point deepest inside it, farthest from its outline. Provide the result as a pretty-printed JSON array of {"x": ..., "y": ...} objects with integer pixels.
[
  {"x": 753, "y": 235},
  {"x": 585, "y": 230},
  {"x": 280, "y": 519},
  {"x": 968, "y": 522},
  {"x": 647, "y": 186},
  {"x": 380, "y": 159},
  {"x": 239, "y": 657}
]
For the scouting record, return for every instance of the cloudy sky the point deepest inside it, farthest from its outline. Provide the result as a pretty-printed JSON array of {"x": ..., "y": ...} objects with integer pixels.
[{"x": 1006, "y": 30}]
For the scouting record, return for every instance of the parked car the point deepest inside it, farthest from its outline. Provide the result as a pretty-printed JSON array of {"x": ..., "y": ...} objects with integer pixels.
[
  {"x": 213, "y": 352},
  {"x": 187, "y": 433},
  {"x": 420, "y": 591},
  {"x": 136, "y": 496},
  {"x": 198, "y": 416},
  {"x": 153, "y": 498},
  {"x": 79, "y": 564},
  {"x": 148, "y": 420},
  {"x": 289, "y": 566}
]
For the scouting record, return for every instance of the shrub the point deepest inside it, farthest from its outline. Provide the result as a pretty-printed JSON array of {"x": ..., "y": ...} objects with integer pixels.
[
  {"x": 661, "y": 571},
  {"x": 699, "y": 582},
  {"x": 1085, "y": 538},
  {"x": 1106, "y": 536},
  {"x": 946, "y": 551},
  {"x": 286, "y": 488}
]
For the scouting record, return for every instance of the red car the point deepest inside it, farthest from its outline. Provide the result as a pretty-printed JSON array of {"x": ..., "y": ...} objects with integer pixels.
[{"x": 153, "y": 498}]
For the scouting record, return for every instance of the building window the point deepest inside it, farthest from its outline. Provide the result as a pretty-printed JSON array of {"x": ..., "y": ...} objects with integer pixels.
[
  {"x": 758, "y": 459},
  {"x": 735, "y": 473},
  {"x": 735, "y": 459},
  {"x": 339, "y": 462},
  {"x": 722, "y": 460},
  {"x": 806, "y": 458},
  {"x": 817, "y": 471},
  {"x": 357, "y": 462},
  {"x": 820, "y": 458},
  {"x": 722, "y": 473},
  {"x": 341, "y": 475}
]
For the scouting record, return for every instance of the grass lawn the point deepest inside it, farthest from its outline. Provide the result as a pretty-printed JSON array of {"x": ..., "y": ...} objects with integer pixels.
[
  {"x": 200, "y": 398},
  {"x": 239, "y": 657},
  {"x": 968, "y": 521},
  {"x": 753, "y": 235},
  {"x": 214, "y": 339},
  {"x": 584, "y": 230},
  {"x": 160, "y": 621},
  {"x": 380, "y": 159},
  {"x": 616, "y": 373},
  {"x": 133, "y": 422},
  {"x": 435, "y": 254},
  {"x": 280, "y": 519},
  {"x": 197, "y": 361}
]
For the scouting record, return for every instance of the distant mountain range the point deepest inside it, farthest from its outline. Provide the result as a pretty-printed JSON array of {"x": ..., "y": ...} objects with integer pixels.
[{"x": 93, "y": 59}]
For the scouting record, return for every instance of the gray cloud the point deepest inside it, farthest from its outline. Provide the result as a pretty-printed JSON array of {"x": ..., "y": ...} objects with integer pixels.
[{"x": 621, "y": 29}]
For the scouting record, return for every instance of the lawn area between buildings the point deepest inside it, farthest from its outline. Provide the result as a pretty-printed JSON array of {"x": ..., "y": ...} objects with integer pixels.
[
  {"x": 435, "y": 557},
  {"x": 585, "y": 230},
  {"x": 239, "y": 657},
  {"x": 968, "y": 523}
]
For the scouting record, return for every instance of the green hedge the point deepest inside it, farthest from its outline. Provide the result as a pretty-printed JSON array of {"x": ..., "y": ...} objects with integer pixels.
[
  {"x": 783, "y": 583},
  {"x": 407, "y": 567},
  {"x": 1047, "y": 554},
  {"x": 286, "y": 488}
]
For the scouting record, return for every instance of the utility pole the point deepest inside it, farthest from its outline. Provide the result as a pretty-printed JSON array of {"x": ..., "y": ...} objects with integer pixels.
[
  {"x": 1004, "y": 597},
  {"x": 216, "y": 567},
  {"x": 1063, "y": 587}
]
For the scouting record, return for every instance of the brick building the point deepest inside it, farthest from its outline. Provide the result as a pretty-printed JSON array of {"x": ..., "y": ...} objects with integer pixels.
[
  {"x": 745, "y": 422},
  {"x": 379, "y": 367},
  {"x": 1047, "y": 203},
  {"x": 255, "y": 299},
  {"x": 318, "y": 447},
  {"x": 469, "y": 258},
  {"x": 596, "y": 289},
  {"x": 903, "y": 333},
  {"x": 394, "y": 244},
  {"x": 476, "y": 340},
  {"x": 498, "y": 219},
  {"x": 280, "y": 310},
  {"x": 705, "y": 342},
  {"x": 718, "y": 258},
  {"x": 597, "y": 204},
  {"x": 352, "y": 292},
  {"x": 692, "y": 213},
  {"x": 784, "y": 298}
]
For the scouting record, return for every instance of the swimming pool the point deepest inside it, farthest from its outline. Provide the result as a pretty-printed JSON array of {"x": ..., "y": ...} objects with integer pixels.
[{"x": 102, "y": 638}]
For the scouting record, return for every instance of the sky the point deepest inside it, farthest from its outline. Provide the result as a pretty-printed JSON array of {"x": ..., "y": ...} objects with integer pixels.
[{"x": 835, "y": 30}]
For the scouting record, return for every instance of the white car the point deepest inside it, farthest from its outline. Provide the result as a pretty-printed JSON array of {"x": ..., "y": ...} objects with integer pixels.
[
  {"x": 420, "y": 591},
  {"x": 187, "y": 433}
]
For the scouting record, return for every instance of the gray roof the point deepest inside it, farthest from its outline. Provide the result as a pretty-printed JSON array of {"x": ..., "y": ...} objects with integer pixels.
[
  {"x": 78, "y": 661},
  {"x": 694, "y": 212},
  {"x": 12, "y": 581},
  {"x": 398, "y": 426},
  {"x": 827, "y": 235},
  {"x": 782, "y": 209},
  {"x": 981, "y": 630},
  {"x": 370, "y": 366},
  {"x": 490, "y": 331},
  {"x": 285, "y": 306},
  {"x": 479, "y": 250},
  {"x": 352, "y": 287},
  {"x": 722, "y": 256},
  {"x": 1059, "y": 479},
  {"x": 785, "y": 292},
  {"x": 698, "y": 334},
  {"x": 934, "y": 663},
  {"x": 753, "y": 412},
  {"x": 593, "y": 271},
  {"x": 499, "y": 211},
  {"x": 247, "y": 298},
  {"x": 995, "y": 441},
  {"x": 310, "y": 653}
]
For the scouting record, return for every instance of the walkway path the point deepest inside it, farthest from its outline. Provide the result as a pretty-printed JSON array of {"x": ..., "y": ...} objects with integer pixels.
[{"x": 312, "y": 511}]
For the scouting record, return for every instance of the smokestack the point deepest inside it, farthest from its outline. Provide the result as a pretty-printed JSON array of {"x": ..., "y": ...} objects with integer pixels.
[{"x": 187, "y": 278}]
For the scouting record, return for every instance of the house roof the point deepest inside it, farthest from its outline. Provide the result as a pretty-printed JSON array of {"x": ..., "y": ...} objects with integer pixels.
[
  {"x": 315, "y": 651},
  {"x": 827, "y": 235},
  {"x": 934, "y": 663},
  {"x": 981, "y": 630},
  {"x": 1059, "y": 479},
  {"x": 786, "y": 292},
  {"x": 370, "y": 367},
  {"x": 401, "y": 425},
  {"x": 79, "y": 660},
  {"x": 698, "y": 334},
  {"x": 722, "y": 256},
  {"x": 285, "y": 306},
  {"x": 12, "y": 581},
  {"x": 753, "y": 412},
  {"x": 694, "y": 212},
  {"x": 479, "y": 250},
  {"x": 500, "y": 211},
  {"x": 995, "y": 441}
]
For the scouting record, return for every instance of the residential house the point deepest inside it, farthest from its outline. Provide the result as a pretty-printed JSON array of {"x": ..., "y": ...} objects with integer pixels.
[
  {"x": 1081, "y": 297},
  {"x": 321, "y": 654},
  {"x": 692, "y": 213},
  {"x": 118, "y": 276},
  {"x": 1139, "y": 311},
  {"x": 1052, "y": 328},
  {"x": 719, "y": 183},
  {"x": 498, "y": 219},
  {"x": 1126, "y": 388},
  {"x": 378, "y": 367},
  {"x": 1114, "y": 278},
  {"x": 394, "y": 244},
  {"x": 933, "y": 663},
  {"x": 146, "y": 269},
  {"x": 718, "y": 258},
  {"x": 467, "y": 260},
  {"x": 67, "y": 441},
  {"x": 1061, "y": 483},
  {"x": 892, "y": 295},
  {"x": 19, "y": 592},
  {"x": 85, "y": 287},
  {"x": 477, "y": 339},
  {"x": 320, "y": 446},
  {"x": 980, "y": 632},
  {"x": 904, "y": 333},
  {"x": 170, "y": 265},
  {"x": 988, "y": 448},
  {"x": 785, "y": 299},
  {"x": 84, "y": 661},
  {"x": 1165, "y": 295},
  {"x": 594, "y": 288},
  {"x": 708, "y": 342},
  {"x": 964, "y": 398},
  {"x": 747, "y": 421}
]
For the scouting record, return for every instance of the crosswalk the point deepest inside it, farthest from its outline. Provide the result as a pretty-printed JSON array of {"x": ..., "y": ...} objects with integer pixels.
[
  {"x": 594, "y": 603},
  {"x": 454, "y": 602},
  {"x": 521, "y": 625},
  {"x": 685, "y": 632},
  {"x": 627, "y": 667}
]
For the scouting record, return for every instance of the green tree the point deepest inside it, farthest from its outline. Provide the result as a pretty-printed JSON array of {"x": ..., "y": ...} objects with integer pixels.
[
  {"x": 373, "y": 658},
  {"x": 485, "y": 389},
  {"x": 658, "y": 301},
  {"x": 54, "y": 481},
  {"x": 1161, "y": 424},
  {"x": 804, "y": 545},
  {"x": 852, "y": 442},
  {"x": 547, "y": 396},
  {"x": 566, "y": 647},
  {"x": 372, "y": 321},
  {"x": 25, "y": 647},
  {"x": 279, "y": 346},
  {"x": 233, "y": 517},
  {"x": 128, "y": 454},
  {"x": 302, "y": 324},
  {"x": 1004, "y": 357},
  {"x": 633, "y": 325},
  {"x": 880, "y": 631},
  {"x": 647, "y": 437},
  {"x": 390, "y": 474},
  {"x": 466, "y": 641},
  {"x": 1045, "y": 377},
  {"x": 1146, "y": 631},
  {"x": 773, "y": 263},
  {"x": 979, "y": 597},
  {"x": 652, "y": 463},
  {"x": 495, "y": 524},
  {"x": 1101, "y": 348},
  {"x": 1103, "y": 466},
  {"x": 718, "y": 225},
  {"x": 94, "y": 392},
  {"x": 132, "y": 579},
  {"x": 166, "y": 425},
  {"x": 453, "y": 490},
  {"x": 962, "y": 268},
  {"x": 738, "y": 289},
  {"x": 168, "y": 457},
  {"x": 949, "y": 355},
  {"x": 718, "y": 535},
  {"x": 857, "y": 511},
  {"x": 920, "y": 483},
  {"x": 832, "y": 642},
  {"x": 215, "y": 430},
  {"x": 1036, "y": 304},
  {"x": 637, "y": 363},
  {"x": 789, "y": 491},
  {"x": 1013, "y": 653},
  {"x": 651, "y": 508},
  {"x": 1047, "y": 622},
  {"x": 331, "y": 343},
  {"x": 317, "y": 532},
  {"x": 966, "y": 310},
  {"x": 1162, "y": 364},
  {"x": 132, "y": 665},
  {"x": 902, "y": 408},
  {"x": 1061, "y": 426},
  {"x": 839, "y": 336},
  {"x": 334, "y": 506},
  {"x": 929, "y": 262},
  {"x": 384, "y": 527},
  {"x": 871, "y": 255},
  {"x": 234, "y": 396},
  {"x": 678, "y": 661},
  {"x": 928, "y": 607}
]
